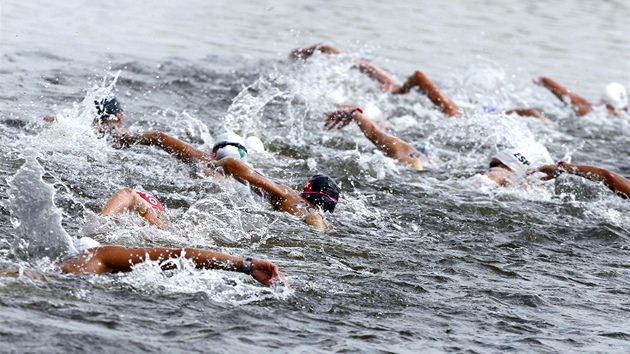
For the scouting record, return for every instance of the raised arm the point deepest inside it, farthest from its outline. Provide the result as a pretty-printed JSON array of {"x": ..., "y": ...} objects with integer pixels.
[
  {"x": 392, "y": 146},
  {"x": 386, "y": 81},
  {"x": 433, "y": 92},
  {"x": 580, "y": 104},
  {"x": 615, "y": 182},
  {"x": 122, "y": 259},
  {"x": 304, "y": 53}
]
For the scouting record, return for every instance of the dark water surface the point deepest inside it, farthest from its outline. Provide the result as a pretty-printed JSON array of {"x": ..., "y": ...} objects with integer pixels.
[{"x": 435, "y": 261}]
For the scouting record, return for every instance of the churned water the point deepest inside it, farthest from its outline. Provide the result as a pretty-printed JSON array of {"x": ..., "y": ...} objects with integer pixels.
[{"x": 434, "y": 261}]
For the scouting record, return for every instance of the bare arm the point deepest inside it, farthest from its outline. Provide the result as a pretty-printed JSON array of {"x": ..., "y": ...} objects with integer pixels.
[
  {"x": 280, "y": 196},
  {"x": 615, "y": 182},
  {"x": 126, "y": 199},
  {"x": 304, "y": 53},
  {"x": 433, "y": 92},
  {"x": 181, "y": 150},
  {"x": 122, "y": 259},
  {"x": 245, "y": 174},
  {"x": 581, "y": 105},
  {"x": 386, "y": 81},
  {"x": 392, "y": 146},
  {"x": 530, "y": 112}
]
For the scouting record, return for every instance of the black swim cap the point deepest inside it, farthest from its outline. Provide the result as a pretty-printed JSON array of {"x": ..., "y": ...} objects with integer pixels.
[
  {"x": 108, "y": 107},
  {"x": 322, "y": 191}
]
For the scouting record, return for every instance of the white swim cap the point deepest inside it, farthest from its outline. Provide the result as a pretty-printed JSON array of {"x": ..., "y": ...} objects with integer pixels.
[
  {"x": 84, "y": 243},
  {"x": 516, "y": 160},
  {"x": 254, "y": 144},
  {"x": 373, "y": 111},
  {"x": 615, "y": 96},
  {"x": 229, "y": 145}
]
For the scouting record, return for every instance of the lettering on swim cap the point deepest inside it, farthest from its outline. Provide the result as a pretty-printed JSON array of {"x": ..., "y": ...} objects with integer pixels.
[
  {"x": 515, "y": 160},
  {"x": 522, "y": 159}
]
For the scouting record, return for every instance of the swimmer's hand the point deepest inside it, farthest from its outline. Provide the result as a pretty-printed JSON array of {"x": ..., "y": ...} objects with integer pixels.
[
  {"x": 304, "y": 53},
  {"x": 550, "y": 171},
  {"x": 268, "y": 273},
  {"x": 342, "y": 117},
  {"x": 50, "y": 119},
  {"x": 120, "y": 138}
]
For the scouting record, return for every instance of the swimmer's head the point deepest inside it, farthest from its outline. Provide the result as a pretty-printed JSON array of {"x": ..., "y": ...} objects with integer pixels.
[
  {"x": 108, "y": 108},
  {"x": 84, "y": 243},
  {"x": 229, "y": 145},
  {"x": 615, "y": 96},
  {"x": 514, "y": 160},
  {"x": 254, "y": 144},
  {"x": 322, "y": 191}
]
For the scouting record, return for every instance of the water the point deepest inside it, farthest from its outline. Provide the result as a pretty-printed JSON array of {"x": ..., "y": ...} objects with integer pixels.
[{"x": 436, "y": 261}]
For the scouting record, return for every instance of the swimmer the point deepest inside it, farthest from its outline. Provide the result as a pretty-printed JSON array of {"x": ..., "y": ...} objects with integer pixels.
[
  {"x": 226, "y": 145},
  {"x": 508, "y": 167},
  {"x": 392, "y": 146},
  {"x": 143, "y": 204},
  {"x": 320, "y": 194},
  {"x": 109, "y": 117},
  {"x": 108, "y": 122},
  {"x": 96, "y": 259},
  {"x": 614, "y": 98},
  {"x": 425, "y": 85},
  {"x": 616, "y": 183}
]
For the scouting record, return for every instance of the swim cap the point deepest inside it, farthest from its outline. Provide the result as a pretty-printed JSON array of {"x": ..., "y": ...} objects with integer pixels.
[
  {"x": 229, "y": 145},
  {"x": 254, "y": 144},
  {"x": 108, "y": 107},
  {"x": 322, "y": 191},
  {"x": 514, "y": 159},
  {"x": 615, "y": 96},
  {"x": 85, "y": 243}
]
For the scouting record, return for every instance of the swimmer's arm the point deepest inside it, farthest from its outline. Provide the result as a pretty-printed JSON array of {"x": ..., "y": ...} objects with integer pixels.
[
  {"x": 262, "y": 270},
  {"x": 433, "y": 92},
  {"x": 304, "y": 53},
  {"x": 181, "y": 150},
  {"x": 392, "y": 146},
  {"x": 613, "y": 181},
  {"x": 106, "y": 259},
  {"x": 386, "y": 81},
  {"x": 122, "y": 259},
  {"x": 530, "y": 112},
  {"x": 581, "y": 105},
  {"x": 247, "y": 175}
]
